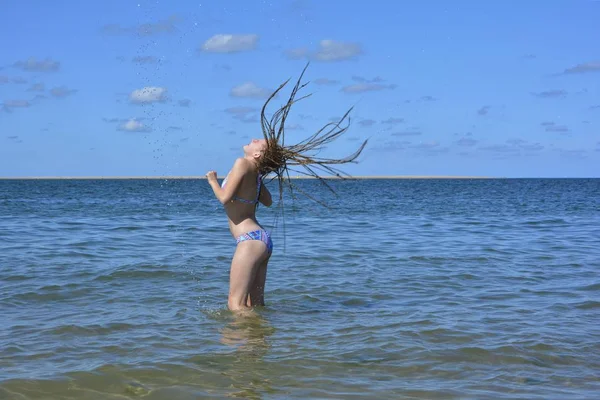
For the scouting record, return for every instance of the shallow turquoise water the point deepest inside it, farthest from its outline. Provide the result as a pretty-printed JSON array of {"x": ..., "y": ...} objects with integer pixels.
[{"x": 402, "y": 289}]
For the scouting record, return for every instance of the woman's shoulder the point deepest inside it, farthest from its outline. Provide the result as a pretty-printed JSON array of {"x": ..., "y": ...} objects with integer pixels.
[{"x": 242, "y": 164}]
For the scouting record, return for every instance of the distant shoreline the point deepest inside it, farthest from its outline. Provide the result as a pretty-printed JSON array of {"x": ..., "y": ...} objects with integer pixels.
[{"x": 221, "y": 177}]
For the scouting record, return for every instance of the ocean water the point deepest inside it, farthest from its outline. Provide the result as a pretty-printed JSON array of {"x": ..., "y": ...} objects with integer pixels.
[{"x": 402, "y": 289}]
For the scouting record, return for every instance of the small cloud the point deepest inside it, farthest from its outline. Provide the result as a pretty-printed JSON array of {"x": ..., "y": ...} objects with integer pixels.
[
  {"x": 12, "y": 137},
  {"x": 113, "y": 29},
  {"x": 407, "y": 133},
  {"x": 361, "y": 79},
  {"x": 149, "y": 29},
  {"x": 37, "y": 87},
  {"x": 393, "y": 121},
  {"x": 430, "y": 148},
  {"x": 294, "y": 127},
  {"x": 184, "y": 102},
  {"x": 516, "y": 142},
  {"x": 532, "y": 146},
  {"x": 133, "y": 125},
  {"x": 145, "y": 60},
  {"x": 296, "y": 54},
  {"x": 583, "y": 68},
  {"x": 247, "y": 119},
  {"x": 548, "y": 94},
  {"x": 466, "y": 142},
  {"x": 112, "y": 120},
  {"x": 250, "y": 90},
  {"x": 426, "y": 145},
  {"x": 229, "y": 43},
  {"x": 222, "y": 67},
  {"x": 514, "y": 147},
  {"x": 149, "y": 94},
  {"x": 529, "y": 56},
  {"x": 595, "y": 107},
  {"x": 365, "y": 123},
  {"x": 390, "y": 145},
  {"x": 500, "y": 148},
  {"x": 240, "y": 110},
  {"x": 553, "y": 127},
  {"x": 174, "y": 128},
  {"x": 33, "y": 65},
  {"x": 19, "y": 80},
  {"x": 428, "y": 98},
  {"x": 572, "y": 153},
  {"x": 483, "y": 110},
  {"x": 326, "y": 81},
  {"x": 4, "y": 79},
  {"x": 328, "y": 51},
  {"x": 8, "y": 105},
  {"x": 243, "y": 114},
  {"x": 62, "y": 91},
  {"x": 366, "y": 87}
]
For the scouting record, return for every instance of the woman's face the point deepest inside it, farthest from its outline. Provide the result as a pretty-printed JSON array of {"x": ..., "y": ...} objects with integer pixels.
[{"x": 255, "y": 148}]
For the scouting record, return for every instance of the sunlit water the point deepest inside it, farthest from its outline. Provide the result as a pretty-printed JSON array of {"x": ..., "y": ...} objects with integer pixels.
[{"x": 431, "y": 289}]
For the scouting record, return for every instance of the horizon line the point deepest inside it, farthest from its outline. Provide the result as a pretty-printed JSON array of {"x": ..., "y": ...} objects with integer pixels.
[{"x": 201, "y": 177}]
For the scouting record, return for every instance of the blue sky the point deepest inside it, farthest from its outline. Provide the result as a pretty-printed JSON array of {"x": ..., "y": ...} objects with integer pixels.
[{"x": 121, "y": 88}]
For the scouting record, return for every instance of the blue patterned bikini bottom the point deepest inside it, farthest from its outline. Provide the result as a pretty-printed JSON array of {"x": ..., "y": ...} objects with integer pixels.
[{"x": 259, "y": 234}]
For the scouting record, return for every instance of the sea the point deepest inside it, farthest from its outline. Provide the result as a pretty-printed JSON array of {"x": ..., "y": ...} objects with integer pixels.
[{"x": 384, "y": 289}]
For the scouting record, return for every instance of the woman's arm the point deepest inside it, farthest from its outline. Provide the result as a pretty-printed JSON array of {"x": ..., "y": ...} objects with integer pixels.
[
  {"x": 236, "y": 175},
  {"x": 265, "y": 195}
]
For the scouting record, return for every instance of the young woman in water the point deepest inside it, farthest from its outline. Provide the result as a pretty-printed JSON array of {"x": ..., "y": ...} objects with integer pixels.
[{"x": 243, "y": 188}]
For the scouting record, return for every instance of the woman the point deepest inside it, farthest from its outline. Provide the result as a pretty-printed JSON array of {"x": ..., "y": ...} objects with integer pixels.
[
  {"x": 240, "y": 193},
  {"x": 243, "y": 189}
]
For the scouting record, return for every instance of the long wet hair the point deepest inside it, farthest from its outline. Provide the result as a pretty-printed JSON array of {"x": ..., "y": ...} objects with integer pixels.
[{"x": 279, "y": 159}]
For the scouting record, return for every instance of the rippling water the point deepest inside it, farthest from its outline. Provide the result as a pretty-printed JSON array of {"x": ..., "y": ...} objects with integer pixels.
[{"x": 432, "y": 289}]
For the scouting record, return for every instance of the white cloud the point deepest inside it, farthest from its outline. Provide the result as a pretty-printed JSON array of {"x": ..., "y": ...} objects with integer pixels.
[
  {"x": 326, "y": 81},
  {"x": 134, "y": 125},
  {"x": 62, "y": 91},
  {"x": 551, "y": 94},
  {"x": 33, "y": 65},
  {"x": 167, "y": 26},
  {"x": 331, "y": 50},
  {"x": 145, "y": 60},
  {"x": 37, "y": 87},
  {"x": 366, "y": 87},
  {"x": 243, "y": 114},
  {"x": 407, "y": 133},
  {"x": 240, "y": 110},
  {"x": 365, "y": 123},
  {"x": 296, "y": 54},
  {"x": 149, "y": 94},
  {"x": 251, "y": 90},
  {"x": 228, "y": 43},
  {"x": 328, "y": 51},
  {"x": 466, "y": 142},
  {"x": 8, "y": 105},
  {"x": 583, "y": 68},
  {"x": 426, "y": 145},
  {"x": 393, "y": 121}
]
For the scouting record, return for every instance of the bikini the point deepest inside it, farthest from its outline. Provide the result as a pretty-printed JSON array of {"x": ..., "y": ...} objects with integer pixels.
[{"x": 259, "y": 234}]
